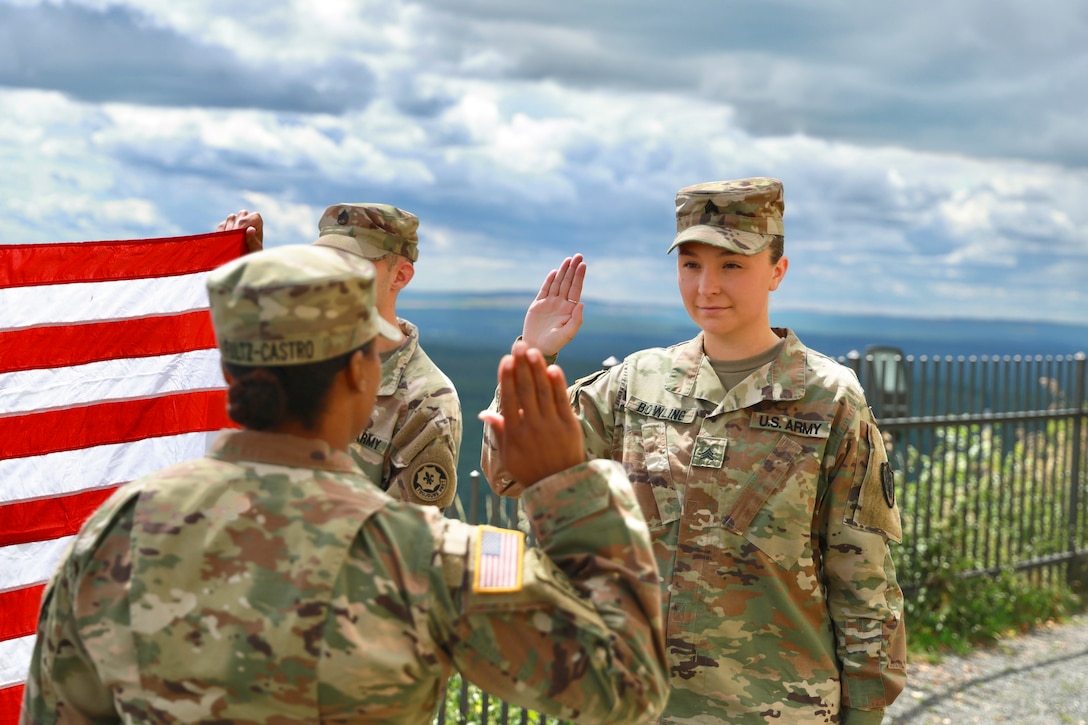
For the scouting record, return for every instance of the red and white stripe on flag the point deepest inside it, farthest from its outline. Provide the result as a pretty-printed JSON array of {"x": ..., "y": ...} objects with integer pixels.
[
  {"x": 108, "y": 371},
  {"x": 499, "y": 556}
]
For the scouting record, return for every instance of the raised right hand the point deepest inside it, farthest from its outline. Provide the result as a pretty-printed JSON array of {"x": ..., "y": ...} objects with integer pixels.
[
  {"x": 537, "y": 433},
  {"x": 554, "y": 317},
  {"x": 251, "y": 222}
]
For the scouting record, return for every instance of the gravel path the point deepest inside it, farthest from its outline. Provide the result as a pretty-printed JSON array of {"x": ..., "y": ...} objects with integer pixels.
[{"x": 1040, "y": 678}]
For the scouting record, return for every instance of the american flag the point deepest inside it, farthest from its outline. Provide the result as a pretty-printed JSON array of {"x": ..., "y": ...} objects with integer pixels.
[
  {"x": 108, "y": 371},
  {"x": 498, "y": 560}
]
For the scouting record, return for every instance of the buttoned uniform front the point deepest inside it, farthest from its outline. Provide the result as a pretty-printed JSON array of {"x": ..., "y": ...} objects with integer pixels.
[
  {"x": 270, "y": 582},
  {"x": 414, "y": 438},
  {"x": 771, "y": 508}
]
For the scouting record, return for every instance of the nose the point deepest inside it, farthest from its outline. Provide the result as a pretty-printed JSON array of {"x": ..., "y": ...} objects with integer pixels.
[{"x": 708, "y": 283}]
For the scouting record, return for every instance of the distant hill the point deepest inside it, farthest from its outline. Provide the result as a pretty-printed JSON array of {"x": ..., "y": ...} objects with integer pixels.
[
  {"x": 466, "y": 334},
  {"x": 494, "y": 319}
]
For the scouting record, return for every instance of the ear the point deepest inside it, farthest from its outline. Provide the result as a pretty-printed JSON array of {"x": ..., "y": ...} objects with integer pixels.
[
  {"x": 402, "y": 274},
  {"x": 779, "y": 272},
  {"x": 355, "y": 372}
]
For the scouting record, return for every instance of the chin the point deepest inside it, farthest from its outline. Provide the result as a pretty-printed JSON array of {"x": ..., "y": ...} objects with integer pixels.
[
  {"x": 717, "y": 328},
  {"x": 719, "y": 318}
]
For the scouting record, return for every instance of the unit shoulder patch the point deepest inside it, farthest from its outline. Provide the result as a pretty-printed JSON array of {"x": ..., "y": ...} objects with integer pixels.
[
  {"x": 430, "y": 482},
  {"x": 887, "y": 483}
]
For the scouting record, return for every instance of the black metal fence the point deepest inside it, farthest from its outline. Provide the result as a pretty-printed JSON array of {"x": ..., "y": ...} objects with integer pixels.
[
  {"x": 467, "y": 704},
  {"x": 990, "y": 454},
  {"x": 991, "y": 460}
]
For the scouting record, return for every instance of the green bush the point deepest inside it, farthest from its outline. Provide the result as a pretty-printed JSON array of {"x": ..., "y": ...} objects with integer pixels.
[
  {"x": 954, "y": 611},
  {"x": 973, "y": 503},
  {"x": 465, "y": 700}
]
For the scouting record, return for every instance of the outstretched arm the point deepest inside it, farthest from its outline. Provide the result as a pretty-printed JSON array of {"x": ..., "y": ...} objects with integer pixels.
[
  {"x": 251, "y": 222},
  {"x": 582, "y": 637},
  {"x": 554, "y": 317},
  {"x": 535, "y": 408}
]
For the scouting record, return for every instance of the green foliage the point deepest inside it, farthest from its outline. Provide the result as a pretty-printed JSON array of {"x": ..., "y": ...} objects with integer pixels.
[
  {"x": 956, "y": 612},
  {"x": 466, "y": 703},
  {"x": 984, "y": 499}
]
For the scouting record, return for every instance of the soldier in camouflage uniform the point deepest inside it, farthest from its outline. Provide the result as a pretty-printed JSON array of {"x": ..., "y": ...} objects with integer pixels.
[
  {"x": 762, "y": 475},
  {"x": 414, "y": 440},
  {"x": 271, "y": 582}
]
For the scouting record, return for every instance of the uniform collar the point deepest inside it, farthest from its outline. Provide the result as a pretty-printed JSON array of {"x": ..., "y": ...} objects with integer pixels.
[
  {"x": 280, "y": 449},
  {"x": 782, "y": 379},
  {"x": 394, "y": 365}
]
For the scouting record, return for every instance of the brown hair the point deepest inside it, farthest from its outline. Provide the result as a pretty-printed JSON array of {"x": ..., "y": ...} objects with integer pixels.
[
  {"x": 777, "y": 247},
  {"x": 259, "y": 398}
]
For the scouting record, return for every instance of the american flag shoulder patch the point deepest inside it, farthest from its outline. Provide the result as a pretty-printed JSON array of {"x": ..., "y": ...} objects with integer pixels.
[{"x": 499, "y": 555}]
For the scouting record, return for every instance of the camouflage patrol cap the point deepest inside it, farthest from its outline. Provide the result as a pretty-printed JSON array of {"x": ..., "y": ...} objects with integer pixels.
[
  {"x": 369, "y": 230},
  {"x": 742, "y": 216},
  {"x": 294, "y": 305}
]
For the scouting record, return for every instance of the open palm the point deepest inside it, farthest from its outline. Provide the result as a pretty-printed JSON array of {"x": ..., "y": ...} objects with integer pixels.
[{"x": 554, "y": 317}]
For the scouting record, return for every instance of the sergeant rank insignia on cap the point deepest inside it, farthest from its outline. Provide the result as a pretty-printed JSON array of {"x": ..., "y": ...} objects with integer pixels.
[{"x": 498, "y": 560}]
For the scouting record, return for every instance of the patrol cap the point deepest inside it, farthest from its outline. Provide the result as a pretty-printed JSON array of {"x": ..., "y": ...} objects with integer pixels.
[
  {"x": 294, "y": 305},
  {"x": 369, "y": 230},
  {"x": 742, "y": 216}
]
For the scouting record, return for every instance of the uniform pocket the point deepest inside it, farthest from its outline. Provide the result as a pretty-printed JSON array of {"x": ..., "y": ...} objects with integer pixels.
[
  {"x": 873, "y": 502},
  {"x": 655, "y": 452},
  {"x": 773, "y": 508},
  {"x": 646, "y": 460}
]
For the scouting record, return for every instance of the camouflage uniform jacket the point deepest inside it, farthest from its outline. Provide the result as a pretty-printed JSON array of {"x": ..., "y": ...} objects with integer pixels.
[
  {"x": 414, "y": 438},
  {"x": 271, "y": 583},
  {"x": 771, "y": 507}
]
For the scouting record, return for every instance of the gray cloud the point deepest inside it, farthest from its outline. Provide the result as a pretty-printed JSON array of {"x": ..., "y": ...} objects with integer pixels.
[
  {"x": 413, "y": 100},
  {"x": 633, "y": 101},
  {"x": 986, "y": 77},
  {"x": 992, "y": 78},
  {"x": 120, "y": 55}
]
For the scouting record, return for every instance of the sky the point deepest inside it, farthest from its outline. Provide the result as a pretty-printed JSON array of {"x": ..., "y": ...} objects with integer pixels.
[{"x": 934, "y": 154}]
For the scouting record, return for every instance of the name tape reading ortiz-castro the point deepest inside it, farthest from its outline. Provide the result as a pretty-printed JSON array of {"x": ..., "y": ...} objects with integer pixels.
[{"x": 243, "y": 351}]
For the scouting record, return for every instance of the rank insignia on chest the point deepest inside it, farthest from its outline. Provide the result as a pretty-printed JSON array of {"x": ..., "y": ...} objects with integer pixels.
[{"x": 709, "y": 452}]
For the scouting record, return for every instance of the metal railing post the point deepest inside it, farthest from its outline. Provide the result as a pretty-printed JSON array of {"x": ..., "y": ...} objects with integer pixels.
[
  {"x": 853, "y": 361},
  {"x": 1074, "y": 572},
  {"x": 474, "y": 497}
]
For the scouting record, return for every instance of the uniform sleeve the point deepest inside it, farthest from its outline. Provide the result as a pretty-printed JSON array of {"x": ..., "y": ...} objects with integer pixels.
[
  {"x": 423, "y": 466},
  {"x": 491, "y": 463},
  {"x": 63, "y": 683},
  {"x": 583, "y": 635},
  {"x": 864, "y": 597},
  {"x": 572, "y": 628},
  {"x": 592, "y": 398}
]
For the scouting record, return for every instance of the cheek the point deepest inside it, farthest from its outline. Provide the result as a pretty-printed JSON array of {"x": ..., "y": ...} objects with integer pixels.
[
  {"x": 688, "y": 287},
  {"x": 376, "y": 370}
]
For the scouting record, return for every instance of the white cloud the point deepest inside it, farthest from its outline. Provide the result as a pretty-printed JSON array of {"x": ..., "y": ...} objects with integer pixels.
[
  {"x": 520, "y": 134},
  {"x": 287, "y": 223}
]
